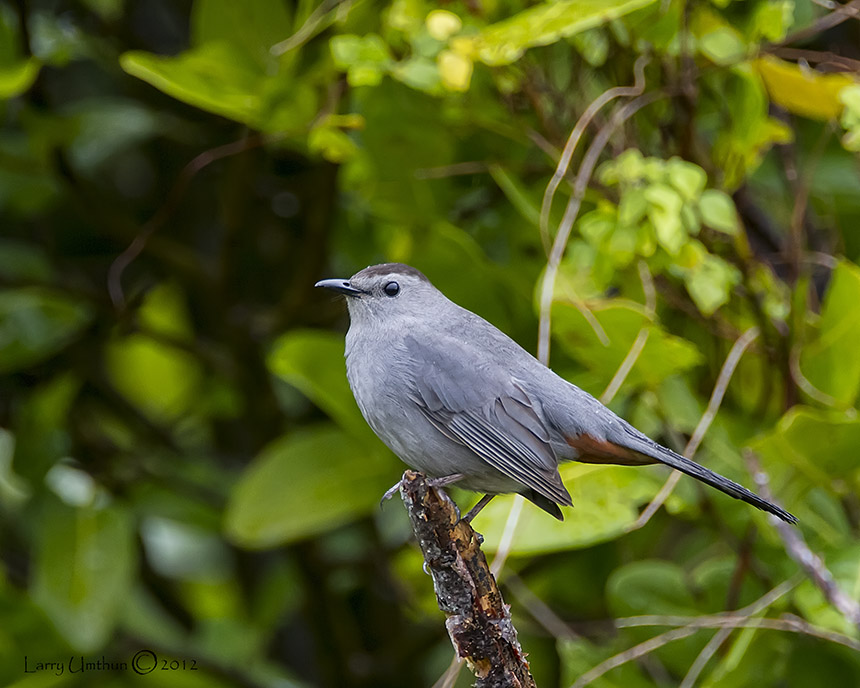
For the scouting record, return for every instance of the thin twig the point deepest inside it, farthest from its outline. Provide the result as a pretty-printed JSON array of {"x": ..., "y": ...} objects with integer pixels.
[
  {"x": 820, "y": 58},
  {"x": 798, "y": 550},
  {"x": 540, "y": 610},
  {"x": 702, "y": 659},
  {"x": 839, "y": 14},
  {"x": 641, "y": 338},
  {"x": 455, "y": 170},
  {"x": 633, "y": 653},
  {"x": 705, "y": 421},
  {"x": 694, "y": 624},
  {"x": 507, "y": 538},
  {"x": 803, "y": 382},
  {"x": 723, "y": 634},
  {"x": 586, "y": 312},
  {"x": 306, "y": 31},
  {"x": 589, "y": 162},
  {"x": 789, "y": 623},
  {"x": 449, "y": 678},
  {"x": 573, "y": 140}
]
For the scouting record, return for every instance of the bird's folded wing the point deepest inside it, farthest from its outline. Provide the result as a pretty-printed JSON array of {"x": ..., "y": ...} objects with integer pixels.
[{"x": 490, "y": 414}]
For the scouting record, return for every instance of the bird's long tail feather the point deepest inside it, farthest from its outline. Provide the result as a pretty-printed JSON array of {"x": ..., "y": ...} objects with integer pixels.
[{"x": 643, "y": 445}]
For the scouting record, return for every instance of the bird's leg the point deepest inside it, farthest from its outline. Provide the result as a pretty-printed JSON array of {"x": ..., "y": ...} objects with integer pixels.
[
  {"x": 482, "y": 502},
  {"x": 432, "y": 482}
]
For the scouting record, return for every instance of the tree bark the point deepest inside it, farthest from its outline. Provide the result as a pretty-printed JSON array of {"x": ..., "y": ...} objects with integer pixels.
[{"x": 479, "y": 621}]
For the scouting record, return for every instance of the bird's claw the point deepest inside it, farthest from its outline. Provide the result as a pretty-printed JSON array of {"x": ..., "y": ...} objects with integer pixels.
[{"x": 390, "y": 492}]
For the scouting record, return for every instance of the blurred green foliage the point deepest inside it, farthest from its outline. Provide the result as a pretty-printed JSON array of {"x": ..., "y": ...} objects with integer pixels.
[{"x": 182, "y": 467}]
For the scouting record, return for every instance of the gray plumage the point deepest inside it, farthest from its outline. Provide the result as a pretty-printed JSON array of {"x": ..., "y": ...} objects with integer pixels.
[{"x": 449, "y": 393}]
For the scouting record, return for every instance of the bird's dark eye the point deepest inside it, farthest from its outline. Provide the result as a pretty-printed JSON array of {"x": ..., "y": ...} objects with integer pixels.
[{"x": 391, "y": 289}]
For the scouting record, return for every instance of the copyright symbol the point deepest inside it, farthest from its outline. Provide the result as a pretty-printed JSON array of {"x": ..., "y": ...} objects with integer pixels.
[{"x": 144, "y": 661}]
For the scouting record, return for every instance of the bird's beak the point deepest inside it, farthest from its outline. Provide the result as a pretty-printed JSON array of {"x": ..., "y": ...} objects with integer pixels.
[{"x": 339, "y": 285}]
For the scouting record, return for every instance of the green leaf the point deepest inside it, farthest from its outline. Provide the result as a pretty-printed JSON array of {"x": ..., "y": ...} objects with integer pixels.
[
  {"x": 632, "y": 206},
  {"x": 419, "y": 73},
  {"x": 365, "y": 59},
  {"x": 209, "y": 77},
  {"x": 593, "y": 45},
  {"x": 723, "y": 46},
  {"x": 505, "y": 41},
  {"x": 17, "y": 78},
  {"x": 20, "y": 261},
  {"x": 650, "y": 587},
  {"x": 830, "y": 361},
  {"x": 718, "y": 211},
  {"x": 710, "y": 283},
  {"x": 312, "y": 362},
  {"x": 689, "y": 179},
  {"x": 627, "y": 168},
  {"x": 161, "y": 379},
  {"x": 606, "y": 502},
  {"x": 333, "y": 144},
  {"x": 41, "y": 434},
  {"x": 83, "y": 569},
  {"x": 662, "y": 355},
  {"x": 821, "y": 444},
  {"x": 664, "y": 211},
  {"x": 250, "y": 27},
  {"x": 108, "y": 127},
  {"x": 850, "y": 119},
  {"x": 35, "y": 324},
  {"x": 598, "y": 224},
  {"x": 622, "y": 245},
  {"x": 217, "y": 78},
  {"x": 739, "y": 148},
  {"x": 306, "y": 483}
]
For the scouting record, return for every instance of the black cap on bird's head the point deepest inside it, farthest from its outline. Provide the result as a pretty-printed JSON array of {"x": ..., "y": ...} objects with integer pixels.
[{"x": 385, "y": 277}]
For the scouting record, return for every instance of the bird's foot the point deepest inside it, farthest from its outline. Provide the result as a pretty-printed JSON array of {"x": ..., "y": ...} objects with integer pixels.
[
  {"x": 441, "y": 481},
  {"x": 445, "y": 480}
]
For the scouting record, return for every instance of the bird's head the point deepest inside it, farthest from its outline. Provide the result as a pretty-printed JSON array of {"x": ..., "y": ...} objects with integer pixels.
[{"x": 386, "y": 292}]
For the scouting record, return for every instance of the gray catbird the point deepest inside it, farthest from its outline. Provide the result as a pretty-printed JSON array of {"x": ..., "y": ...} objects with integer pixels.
[{"x": 456, "y": 398}]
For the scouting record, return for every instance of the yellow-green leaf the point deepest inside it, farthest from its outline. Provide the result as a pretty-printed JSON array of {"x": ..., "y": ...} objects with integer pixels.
[
  {"x": 802, "y": 90},
  {"x": 830, "y": 361},
  {"x": 505, "y": 41},
  {"x": 16, "y": 78},
  {"x": 306, "y": 483},
  {"x": 160, "y": 379},
  {"x": 606, "y": 502},
  {"x": 83, "y": 569},
  {"x": 663, "y": 354}
]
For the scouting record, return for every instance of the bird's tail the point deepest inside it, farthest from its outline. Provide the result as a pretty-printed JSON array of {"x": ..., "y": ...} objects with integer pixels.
[{"x": 643, "y": 445}]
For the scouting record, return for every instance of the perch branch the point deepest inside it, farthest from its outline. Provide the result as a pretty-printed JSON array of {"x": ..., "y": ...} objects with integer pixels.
[{"x": 479, "y": 622}]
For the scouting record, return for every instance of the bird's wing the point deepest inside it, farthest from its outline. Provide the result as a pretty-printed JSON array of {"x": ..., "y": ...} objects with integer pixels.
[{"x": 480, "y": 405}]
